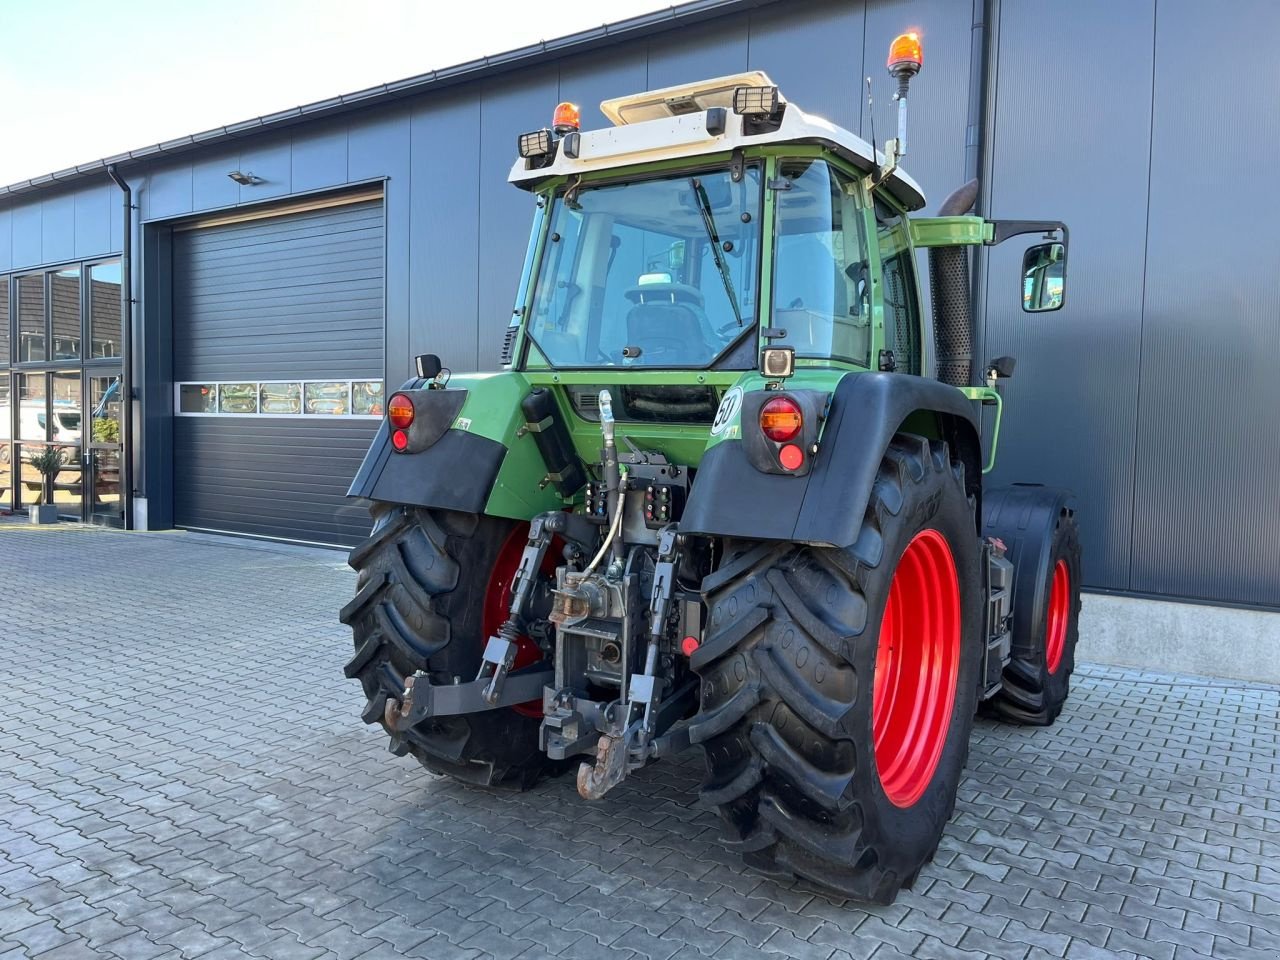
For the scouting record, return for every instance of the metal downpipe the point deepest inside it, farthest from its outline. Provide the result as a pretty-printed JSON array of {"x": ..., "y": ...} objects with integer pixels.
[{"x": 126, "y": 342}]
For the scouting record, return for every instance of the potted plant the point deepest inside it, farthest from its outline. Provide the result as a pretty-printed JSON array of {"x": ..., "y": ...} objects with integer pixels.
[{"x": 48, "y": 463}]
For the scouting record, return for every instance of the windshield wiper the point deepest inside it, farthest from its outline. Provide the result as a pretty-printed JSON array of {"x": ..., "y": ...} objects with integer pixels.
[{"x": 708, "y": 221}]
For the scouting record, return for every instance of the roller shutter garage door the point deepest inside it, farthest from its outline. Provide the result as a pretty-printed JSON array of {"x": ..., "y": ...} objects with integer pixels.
[{"x": 278, "y": 369}]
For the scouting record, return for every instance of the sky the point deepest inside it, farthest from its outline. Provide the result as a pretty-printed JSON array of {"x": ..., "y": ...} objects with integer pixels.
[{"x": 89, "y": 79}]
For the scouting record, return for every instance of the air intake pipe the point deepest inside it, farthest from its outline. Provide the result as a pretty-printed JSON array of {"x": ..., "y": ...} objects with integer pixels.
[{"x": 953, "y": 333}]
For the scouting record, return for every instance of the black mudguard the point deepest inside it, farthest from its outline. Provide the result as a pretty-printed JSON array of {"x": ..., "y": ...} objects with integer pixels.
[
  {"x": 1024, "y": 517},
  {"x": 731, "y": 498},
  {"x": 456, "y": 471}
]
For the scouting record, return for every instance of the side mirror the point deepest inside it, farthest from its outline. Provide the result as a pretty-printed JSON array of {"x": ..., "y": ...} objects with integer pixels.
[{"x": 1044, "y": 270}]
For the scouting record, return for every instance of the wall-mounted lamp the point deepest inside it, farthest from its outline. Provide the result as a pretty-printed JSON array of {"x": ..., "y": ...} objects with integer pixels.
[{"x": 245, "y": 179}]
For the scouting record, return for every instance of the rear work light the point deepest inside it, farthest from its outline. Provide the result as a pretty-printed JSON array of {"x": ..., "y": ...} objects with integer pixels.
[
  {"x": 755, "y": 101},
  {"x": 534, "y": 144},
  {"x": 781, "y": 419},
  {"x": 400, "y": 411}
]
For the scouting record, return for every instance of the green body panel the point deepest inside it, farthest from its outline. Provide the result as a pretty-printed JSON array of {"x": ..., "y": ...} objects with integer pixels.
[
  {"x": 950, "y": 231},
  {"x": 492, "y": 410}
]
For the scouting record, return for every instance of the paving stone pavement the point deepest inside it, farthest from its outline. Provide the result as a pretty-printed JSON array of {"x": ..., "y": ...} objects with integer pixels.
[{"x": 183, "y": 773}]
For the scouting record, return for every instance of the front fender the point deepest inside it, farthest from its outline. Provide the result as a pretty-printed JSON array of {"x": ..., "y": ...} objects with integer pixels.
[{"x": 731, "y": 498}]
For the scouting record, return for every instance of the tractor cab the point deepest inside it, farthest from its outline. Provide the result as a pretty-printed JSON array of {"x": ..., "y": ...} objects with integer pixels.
[{"x": 712, "y": 221}]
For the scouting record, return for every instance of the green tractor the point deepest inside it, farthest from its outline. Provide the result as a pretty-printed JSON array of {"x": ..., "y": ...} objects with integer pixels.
[{"x": 726, "y": 492}]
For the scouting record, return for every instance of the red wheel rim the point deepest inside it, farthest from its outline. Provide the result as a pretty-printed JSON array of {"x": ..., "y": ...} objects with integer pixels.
[
  {"x": 1055, "y": 628},
  {"x": 917, "y": 663},
  {"x": 497, "y": 604}
]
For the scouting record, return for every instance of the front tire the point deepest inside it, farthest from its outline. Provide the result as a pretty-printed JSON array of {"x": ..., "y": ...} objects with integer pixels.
[
  {"x": 426, "y": 578},
  {"x": 817, "y": 666},
  {"x": 1042, "y": 535}
]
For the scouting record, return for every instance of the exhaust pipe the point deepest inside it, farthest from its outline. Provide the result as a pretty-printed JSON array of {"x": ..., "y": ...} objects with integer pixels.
[{"x": 953, "y": 332}]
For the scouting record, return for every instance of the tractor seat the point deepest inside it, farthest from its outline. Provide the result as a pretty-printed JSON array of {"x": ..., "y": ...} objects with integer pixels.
[
  {"x": 665, "y": 331},
  {"x": 666, "y": 293}
]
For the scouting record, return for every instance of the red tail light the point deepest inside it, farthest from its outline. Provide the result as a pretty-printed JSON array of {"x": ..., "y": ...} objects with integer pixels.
[
  {"x": 400, "y": 411},
  {"x": 781, "y": 419}
]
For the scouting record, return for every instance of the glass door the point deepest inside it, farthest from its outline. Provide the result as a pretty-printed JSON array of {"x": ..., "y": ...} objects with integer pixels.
[
  {"x": 66, "y": 432},
  {"x": 102, "y": 447}
]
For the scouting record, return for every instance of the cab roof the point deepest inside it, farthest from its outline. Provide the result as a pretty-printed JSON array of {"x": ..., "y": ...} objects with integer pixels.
[{"x": 673, "y": 122}]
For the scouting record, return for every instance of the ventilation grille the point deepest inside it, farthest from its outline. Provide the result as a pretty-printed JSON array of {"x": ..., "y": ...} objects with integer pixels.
[{"x": 508, "y": 346}]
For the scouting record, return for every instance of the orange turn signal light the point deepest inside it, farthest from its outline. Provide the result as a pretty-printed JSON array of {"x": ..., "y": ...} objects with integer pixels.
[
  {"x": 567, "y": 118},
  {"x": 781, "y": 419},
  {"x": 906, "y": 53},
  {"x": 400, "y": 411}
]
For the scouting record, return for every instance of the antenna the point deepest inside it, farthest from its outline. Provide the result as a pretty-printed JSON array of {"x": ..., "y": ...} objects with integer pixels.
[{"x": 871, "y": 115}]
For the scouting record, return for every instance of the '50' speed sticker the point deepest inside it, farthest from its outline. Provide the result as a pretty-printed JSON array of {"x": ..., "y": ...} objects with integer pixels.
[{"x": 728, "y": 411}]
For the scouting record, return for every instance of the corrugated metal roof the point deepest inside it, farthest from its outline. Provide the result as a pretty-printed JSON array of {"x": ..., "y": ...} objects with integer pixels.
[{"x": 602, "y": 36}]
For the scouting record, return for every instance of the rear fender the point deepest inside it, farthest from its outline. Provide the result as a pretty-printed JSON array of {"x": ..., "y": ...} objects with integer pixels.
[
  {"x": 478, "y": 462},
  {"x": 731, "y": 498}
]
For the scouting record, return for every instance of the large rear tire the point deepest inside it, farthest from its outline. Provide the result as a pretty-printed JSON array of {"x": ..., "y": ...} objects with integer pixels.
[
  {"x": 426, "y": 579},
  {"x": 839, "y": 686}
]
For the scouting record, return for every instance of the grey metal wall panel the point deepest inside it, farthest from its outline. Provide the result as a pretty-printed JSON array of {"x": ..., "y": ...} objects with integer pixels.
[
  {"x": 814, "y": 54},
  {"x": 93, "y": 220},
  {"x": 444, "y": 237},
  {"x": 715, "y": 49},
  {"x": 589, "y": 79},
  {"x": 1207, "y": 503},
  {"x": 1070, "y": 410},
  {"x": 294, "y": 296},
  {"x": 318, "y": 160},
  {"x": 168, "y": 193},
  {"x": 27, "y": 234},
  {"x": 505, "y": 211},
  {"x": 270, "y": 160},
  {"x": 6, "y": 239},
  {"x": 211, "y": 188},
  {"x": 58, "y": 228},
  {"x": 270, "y": 477}
]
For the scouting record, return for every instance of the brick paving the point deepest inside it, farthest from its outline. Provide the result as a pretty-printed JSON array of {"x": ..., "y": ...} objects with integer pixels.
[{"x": 183, "y": 773}]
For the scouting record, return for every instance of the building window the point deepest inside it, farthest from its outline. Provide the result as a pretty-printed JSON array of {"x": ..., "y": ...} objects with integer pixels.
[
  {"x": 366, "y": 398},
  {"x": 104, "y": 311},
  {"x": 332, "y": 397},
  {"x": 281, "y": 398},
  {"x": 64, "y": 313},
  {"x": 285, "y": 398},
  {"x": 238, "y": 398},
  {"x": 31, "y": 334},
  {"x": 197, "y": 398}
]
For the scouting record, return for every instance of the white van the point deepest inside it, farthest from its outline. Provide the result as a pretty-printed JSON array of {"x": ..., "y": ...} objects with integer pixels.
[{"x": 32, "y": 421}]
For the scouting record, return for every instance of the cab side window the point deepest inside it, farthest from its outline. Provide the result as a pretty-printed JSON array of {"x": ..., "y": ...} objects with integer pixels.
[
  {"x": 901, "y": 299},
  {"x": 821, "y": 297}
]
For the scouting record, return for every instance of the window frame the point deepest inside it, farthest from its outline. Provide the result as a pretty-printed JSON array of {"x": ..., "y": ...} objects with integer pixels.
[
  {"x": 917, "y": 300},
  {"x": 866, "y": 221}
]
